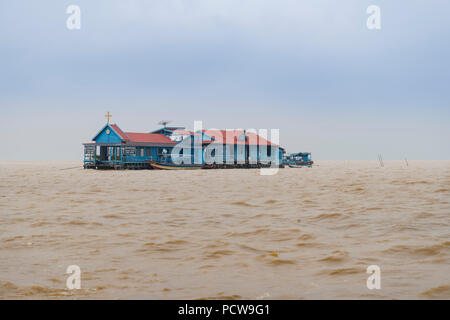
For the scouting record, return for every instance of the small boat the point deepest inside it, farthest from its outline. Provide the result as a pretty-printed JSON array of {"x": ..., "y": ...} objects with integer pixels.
[
  {"x": 298, "y": 160},
  {"x": 173, "y": 166},
  {"x": 300, "y": 164},
  {"x": 295, "y": 165}
]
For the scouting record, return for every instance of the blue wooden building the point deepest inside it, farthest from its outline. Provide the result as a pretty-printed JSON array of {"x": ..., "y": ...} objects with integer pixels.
[
  {"x": 114, "y": 148},
  {"x": 240, "y": 148},
  {"x": 299, "y": 159}
]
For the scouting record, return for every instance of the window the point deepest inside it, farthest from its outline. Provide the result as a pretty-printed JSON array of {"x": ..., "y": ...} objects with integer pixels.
[
  {"x": 147, "y": 152},
  {"x": 142, "y": 152}
]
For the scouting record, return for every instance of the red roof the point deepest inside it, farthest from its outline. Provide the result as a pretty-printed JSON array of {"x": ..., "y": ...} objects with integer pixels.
[
  {"x": 119, "y": 131},
  {"x": 148, "y": 138},
  {"x": 185, "y": 132},
  {"x": 137, "y": 137},
  {"x": 220, "y": 136},
  {"x": 231, "y": 137}
]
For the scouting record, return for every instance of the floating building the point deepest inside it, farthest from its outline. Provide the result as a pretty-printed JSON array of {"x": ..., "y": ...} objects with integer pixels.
[
  {"x": 297, "y": 160},
  {"x": 178, "y": 148}
]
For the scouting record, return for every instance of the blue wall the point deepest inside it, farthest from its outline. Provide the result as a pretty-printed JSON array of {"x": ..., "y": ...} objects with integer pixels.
[
  {"x": 112, "y": 137},
  {"x": 154, "y": 154},
  {"x": 240, "y": 153}
]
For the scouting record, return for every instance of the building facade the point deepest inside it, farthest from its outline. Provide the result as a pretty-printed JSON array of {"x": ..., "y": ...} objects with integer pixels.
[{"x": 113, "y": 148}]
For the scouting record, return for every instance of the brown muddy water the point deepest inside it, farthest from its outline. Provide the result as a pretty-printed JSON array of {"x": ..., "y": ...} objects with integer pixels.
[{"x": 206, "y": 234}]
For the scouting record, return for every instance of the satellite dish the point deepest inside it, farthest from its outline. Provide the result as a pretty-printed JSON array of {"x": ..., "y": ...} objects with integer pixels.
[{"x": 164, "y": 122}]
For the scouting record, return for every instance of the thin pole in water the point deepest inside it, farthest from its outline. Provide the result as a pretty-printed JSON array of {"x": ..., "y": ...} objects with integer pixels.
[
  {"x": 70, "y": 168},
  {"x": 380, "y": 159}
]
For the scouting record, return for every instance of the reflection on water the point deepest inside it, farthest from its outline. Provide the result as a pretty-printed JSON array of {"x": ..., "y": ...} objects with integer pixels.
[{"x": 230, "y": 234}]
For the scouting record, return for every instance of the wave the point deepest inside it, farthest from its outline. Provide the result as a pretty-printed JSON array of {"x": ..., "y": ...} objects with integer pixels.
[
  {"x": 440, "y": 292},
  {"x": 244, "y": 204},
  {"x": 429, "y": 250}
]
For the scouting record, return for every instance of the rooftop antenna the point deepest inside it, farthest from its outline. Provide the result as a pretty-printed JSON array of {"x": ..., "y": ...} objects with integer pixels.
[{"x": 164, "y": 122}]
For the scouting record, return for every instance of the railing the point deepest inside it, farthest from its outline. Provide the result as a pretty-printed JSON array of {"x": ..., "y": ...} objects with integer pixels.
[{"x": 124, "y": 159}]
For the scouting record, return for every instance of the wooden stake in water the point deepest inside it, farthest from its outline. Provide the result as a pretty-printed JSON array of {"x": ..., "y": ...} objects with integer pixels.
[
  {"x": 380, "y": 159},
  {"x": 406, "y": 160}
]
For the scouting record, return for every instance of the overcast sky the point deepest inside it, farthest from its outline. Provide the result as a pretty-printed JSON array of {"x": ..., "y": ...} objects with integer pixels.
[{"x": 309, "y": 68}]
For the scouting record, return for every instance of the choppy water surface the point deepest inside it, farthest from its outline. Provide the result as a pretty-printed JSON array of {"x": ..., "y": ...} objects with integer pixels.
[{"x": 300, "y": 234}]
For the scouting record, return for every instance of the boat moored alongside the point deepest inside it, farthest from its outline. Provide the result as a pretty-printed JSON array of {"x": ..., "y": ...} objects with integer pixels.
[
  {"x": 172, "y": 166},
  {"x": 299, "y": 160}
]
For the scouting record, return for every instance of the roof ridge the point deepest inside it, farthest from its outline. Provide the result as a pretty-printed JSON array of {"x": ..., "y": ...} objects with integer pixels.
[
  {"x": 116, "y": 127},
  {"x": 134, "y": 132}
]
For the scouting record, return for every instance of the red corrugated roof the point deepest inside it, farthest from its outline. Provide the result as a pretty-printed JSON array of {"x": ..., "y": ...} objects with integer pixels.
[
  {"x": 137, "y": 137},
  {"x": 220, "y": 136},
  {"x": 261, "y": 141},
  {"x": 119, "y": 131},
  {"x": 185, "y": 132}
]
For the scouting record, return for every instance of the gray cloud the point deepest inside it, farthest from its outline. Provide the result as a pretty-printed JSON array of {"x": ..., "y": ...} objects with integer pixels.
[{"x": 286, "y": 64}]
